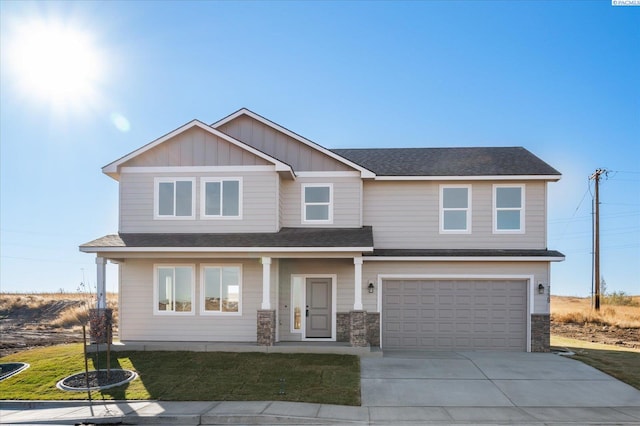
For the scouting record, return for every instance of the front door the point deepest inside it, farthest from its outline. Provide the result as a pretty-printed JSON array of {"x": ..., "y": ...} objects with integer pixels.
[{"x": 318, "y": 313}]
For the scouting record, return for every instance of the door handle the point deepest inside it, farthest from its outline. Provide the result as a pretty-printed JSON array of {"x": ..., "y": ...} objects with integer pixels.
[{"x": 307, "y": 311}]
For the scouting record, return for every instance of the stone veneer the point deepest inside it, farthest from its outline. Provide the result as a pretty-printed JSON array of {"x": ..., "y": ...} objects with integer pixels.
[
  {"x": 373, "y": 328},
  {"x": 100, "y": 325},
  {"x": 343, "y": 323},
  {"x": 358, "y": 328},
  {"x": 540, "y": 332},
  {"x": 266, "y": 327}
]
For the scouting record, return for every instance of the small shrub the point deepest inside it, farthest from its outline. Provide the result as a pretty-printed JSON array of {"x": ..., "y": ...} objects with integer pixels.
[{"x": 619, "y": 298}]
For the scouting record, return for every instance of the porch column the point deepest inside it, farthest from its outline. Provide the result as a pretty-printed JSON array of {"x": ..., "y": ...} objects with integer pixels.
[
  {"x": 101, "y": 286},
  {"x": 266, "y": 282},
  {"x": 357, "y": 300}
]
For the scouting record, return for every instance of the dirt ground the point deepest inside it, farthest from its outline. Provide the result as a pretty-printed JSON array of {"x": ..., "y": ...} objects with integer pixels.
[{"x": 627, "y": 337}]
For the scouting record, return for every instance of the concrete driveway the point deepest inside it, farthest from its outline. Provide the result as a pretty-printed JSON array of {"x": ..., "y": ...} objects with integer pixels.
[{"x": 492, "y": 386}]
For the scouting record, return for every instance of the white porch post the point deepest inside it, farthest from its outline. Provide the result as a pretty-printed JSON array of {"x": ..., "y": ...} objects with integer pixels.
[
  {"x": 266, "y": 282},
  {"x": 357, "y": 301},
  {"x": 101, "y": 286}
]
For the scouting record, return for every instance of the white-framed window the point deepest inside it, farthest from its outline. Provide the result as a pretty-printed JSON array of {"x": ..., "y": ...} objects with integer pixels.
[
  {"x": 297, "y": 303},
  {"x": 221, "y": 289},
  {"x": 174, "y": 198},
  {"x": 317, "y": 203},
  {"x": 174, "y": 289},
  {"x": 508, "y": 209},
  {"x": 221, "y": 198},
  {"x": 455, "y": 209}
]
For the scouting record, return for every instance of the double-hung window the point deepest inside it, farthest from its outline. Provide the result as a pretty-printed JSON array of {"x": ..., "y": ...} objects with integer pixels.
[
  {"x": 317, "y": 203},
  {"x": 508, "y": 209},
  {"x": 174, "y": 289},
  {"x": 455, "y": 209},
  {"x": 221, "y": 289},
  {"x": 221, "y": 198},
  {"x": 174, "y": 198}
]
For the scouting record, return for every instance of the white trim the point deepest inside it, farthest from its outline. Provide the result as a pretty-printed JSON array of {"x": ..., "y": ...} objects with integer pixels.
[
  {"x": 329, "y": 174},
  {"x": 266, "y": 282},
  {"x": 203, "y": 198},
  {"x": 157, "y": 311},
  {"x": 156, "y": 197},
  {"x": 225, "y": 249},
  {"x": 463, "y": 259},
  {"x": 530, "y": 290},
  {"x": 204, "y": 312},
  {"x": 244, "y": 111},
  {"x": 111, "y": 169},
  {"x": 303, "y": 216},
  {"x": 487, "y": 177},
  {"x": 334, "y": 306},
  {"x": 197, "y": 169},
  {"x": 467, "y": 210},
  {"x": 357, "y": 282},
  {"x": 522, "y": 209}
]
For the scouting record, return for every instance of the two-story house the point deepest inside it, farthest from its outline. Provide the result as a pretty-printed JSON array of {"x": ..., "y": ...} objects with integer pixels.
[{"x": 244, "y": 231}]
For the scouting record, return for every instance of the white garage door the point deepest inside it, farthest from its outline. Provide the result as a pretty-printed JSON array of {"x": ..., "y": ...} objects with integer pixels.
[{"x": 454, "y": 315}]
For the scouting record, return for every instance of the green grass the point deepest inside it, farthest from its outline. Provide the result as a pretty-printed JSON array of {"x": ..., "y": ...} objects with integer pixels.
[
  {"x": 192, "y": 376},
  {"x": 621, "y": 363}
]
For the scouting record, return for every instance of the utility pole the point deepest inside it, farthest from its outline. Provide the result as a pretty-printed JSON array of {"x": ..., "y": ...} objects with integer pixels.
[{"x": 596, "y": 238}]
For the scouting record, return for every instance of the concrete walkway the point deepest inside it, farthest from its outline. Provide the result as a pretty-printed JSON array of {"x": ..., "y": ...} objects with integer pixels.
[{"x": 400, "y": 388}]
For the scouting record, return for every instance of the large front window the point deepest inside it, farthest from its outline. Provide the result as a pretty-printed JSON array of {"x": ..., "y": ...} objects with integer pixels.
[
  {"x": 174, "y": 289},
  {"x": 317, "y": 203},
  {"x": 221, "y": 289},
  {"x": 508, "y": 214},
  {"x": 455, "y": 211},
  {"x": 221, "y": 198},
  {"x": 174, "y": 198}
]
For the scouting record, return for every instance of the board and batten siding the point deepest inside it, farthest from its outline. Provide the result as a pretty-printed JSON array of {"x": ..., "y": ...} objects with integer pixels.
[
  {"x": 539, "y": 270},
  {"x": 196, "y": 147},
  {"x": 407, "y": 215},
  {"x": 346, "y": 201},
  {"x": 259, "y": 205},
  {"x": 281, "y": 146},
  {"x": 137, "y": 302}
]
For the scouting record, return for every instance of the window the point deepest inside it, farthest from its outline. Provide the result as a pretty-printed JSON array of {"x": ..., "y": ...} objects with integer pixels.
[
  {"x": 174, "y": 198},
  {"x": 221, "y": 198},
  {"x": 455, "y": 209},
  {"x": 297, "y": 303},
  {"x": 317, "y": 203},
  {"x": 221, "y": 289},
  {"x": 508, "y": 214},
  {"x": 174, "y": 289}
]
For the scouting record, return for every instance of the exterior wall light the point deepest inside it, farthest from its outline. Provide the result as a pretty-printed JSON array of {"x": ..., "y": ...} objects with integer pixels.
[
  {"x": 540, "y": 288},
  {"x": 370, "y": 287}
]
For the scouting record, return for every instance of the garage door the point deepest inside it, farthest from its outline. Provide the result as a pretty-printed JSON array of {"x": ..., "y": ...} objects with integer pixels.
[{"x": 454, "y": 315}]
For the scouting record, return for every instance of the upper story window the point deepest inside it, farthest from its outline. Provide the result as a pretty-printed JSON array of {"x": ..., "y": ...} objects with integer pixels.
[
  {"x": 221, "y": 198},
  {"x": 317, "y": 203},
  {"x": 174, "y": 198},
  {"x": 508, "y": 208},
  {"x": 221, "y": 289},
  {"x": 174, "y": 289},
  {"x": 455, "y": 209}
]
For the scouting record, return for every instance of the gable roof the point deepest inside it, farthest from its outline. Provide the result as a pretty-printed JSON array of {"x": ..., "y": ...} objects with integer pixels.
[
  {"x": 365, "y": 173},
  {"x": 451, "y": 162},
  {"x": 112, "y": 169}
]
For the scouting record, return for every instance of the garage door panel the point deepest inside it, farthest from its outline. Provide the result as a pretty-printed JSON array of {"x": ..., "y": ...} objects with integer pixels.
[{"x": 448, "y": 314}]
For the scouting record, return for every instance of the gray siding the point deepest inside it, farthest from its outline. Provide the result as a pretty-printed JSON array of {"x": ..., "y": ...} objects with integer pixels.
[
  {"x": 346, "y": 201},
  {"x": 140, "y": 324},
  {"x": 260, "y": 208},
  {"x": 278, "y": 145},
  {"x": 539, "y": 270},
  {"x": 406, "y": 215}
]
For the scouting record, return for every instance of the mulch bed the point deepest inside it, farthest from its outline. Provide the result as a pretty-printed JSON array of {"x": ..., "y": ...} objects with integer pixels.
[{"x": 97, "y": 379}]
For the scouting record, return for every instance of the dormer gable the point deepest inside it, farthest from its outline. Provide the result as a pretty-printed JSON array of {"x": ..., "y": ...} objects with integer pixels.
[{"x": 195, "y": 144}]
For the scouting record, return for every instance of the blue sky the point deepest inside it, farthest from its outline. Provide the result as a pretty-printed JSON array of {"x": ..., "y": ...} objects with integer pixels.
[{"x": 559, "y": 78}]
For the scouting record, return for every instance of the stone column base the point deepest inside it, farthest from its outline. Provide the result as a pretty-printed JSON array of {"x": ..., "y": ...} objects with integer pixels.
[
  {"x": 266, "y": 327},
  {"x": 100, "y": 325},
  {"x": 358, "y": 328},
  {"x": 373, "y": 328},
  {"x": 540, "y": 333}
]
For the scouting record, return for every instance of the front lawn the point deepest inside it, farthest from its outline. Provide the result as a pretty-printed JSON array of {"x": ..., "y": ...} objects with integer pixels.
[{"x": 193, "y": 376}]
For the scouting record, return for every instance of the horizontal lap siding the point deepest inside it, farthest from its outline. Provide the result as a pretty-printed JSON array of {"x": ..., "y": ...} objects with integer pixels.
[
  {"x": 140, "y": 323},
  {"x": 407, "y": 215},
  {"x": 259, "y": 208},
  {"x": 346, "y": 201}
]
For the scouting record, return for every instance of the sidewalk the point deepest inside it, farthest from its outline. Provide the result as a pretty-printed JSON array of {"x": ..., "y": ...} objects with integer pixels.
[{"x": 289, "y": 413}]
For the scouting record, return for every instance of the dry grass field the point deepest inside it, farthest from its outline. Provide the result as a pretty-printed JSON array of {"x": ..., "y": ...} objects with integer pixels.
[{"x": 614, "y": 324}]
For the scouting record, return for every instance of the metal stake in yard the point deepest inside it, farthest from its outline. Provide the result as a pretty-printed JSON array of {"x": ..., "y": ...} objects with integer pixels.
[{"x": 283, "y": 382}]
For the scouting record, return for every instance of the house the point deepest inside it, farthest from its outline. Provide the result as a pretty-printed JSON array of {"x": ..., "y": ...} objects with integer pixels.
[{"x": 244, "y": 231}]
